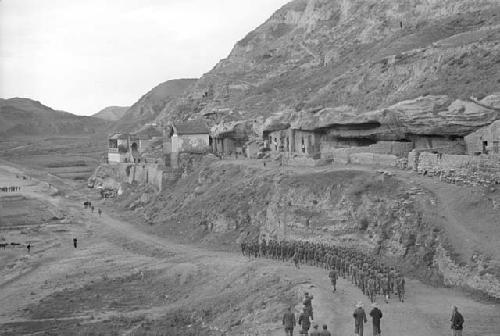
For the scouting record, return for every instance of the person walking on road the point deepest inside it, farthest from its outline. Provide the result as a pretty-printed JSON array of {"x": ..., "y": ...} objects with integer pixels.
[
  {"x": 99, "y": 211},
  {"x": 75, "y": 242},
  {"x": 304, "y": 322},
  {"x": 308, "y": 304},
  {"x": 376, "y": 315},
  {"x": 333, "y": 278},
  {"x": 289, "y": 322},
  {"x": 457, "y": 322},
  {"x": 359, "y": 319}
]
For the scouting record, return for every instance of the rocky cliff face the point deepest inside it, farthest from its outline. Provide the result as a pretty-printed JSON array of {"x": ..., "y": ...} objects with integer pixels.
[{"x": 364, "y": 54}]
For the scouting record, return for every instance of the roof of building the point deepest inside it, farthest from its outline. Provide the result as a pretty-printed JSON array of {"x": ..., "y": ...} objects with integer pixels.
[
  {"x": 191, "y": 127},
  {"x": 119, "y": 136}
]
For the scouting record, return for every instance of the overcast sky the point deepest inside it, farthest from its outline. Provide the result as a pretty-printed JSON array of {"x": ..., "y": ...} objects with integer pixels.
[{"x": 83, "y": 55}]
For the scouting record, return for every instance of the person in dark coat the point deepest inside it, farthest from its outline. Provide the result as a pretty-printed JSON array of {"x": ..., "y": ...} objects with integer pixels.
[
  {"x": 457, "y": 322},
  {"x": 359, "y": 319},
  {"x": 304, "y": 322},
  {"x": 376, "y": 315},
  {"x": 289, "y": 322},
  {"x": 75, "y": 242}
]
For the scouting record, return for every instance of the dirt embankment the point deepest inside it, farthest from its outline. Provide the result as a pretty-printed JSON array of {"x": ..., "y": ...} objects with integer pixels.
[{"x": 220, "y": 204}]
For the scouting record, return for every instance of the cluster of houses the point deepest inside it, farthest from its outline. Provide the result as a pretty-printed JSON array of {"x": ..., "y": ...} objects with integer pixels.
[{"x": 321, "y": 143}]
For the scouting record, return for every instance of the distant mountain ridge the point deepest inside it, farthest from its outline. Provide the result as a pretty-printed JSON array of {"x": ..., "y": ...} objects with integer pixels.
[
  {"x": 111, "y": 113},
  {"x": 27, "y": 117},
  {"x": 149, "y": 106}
]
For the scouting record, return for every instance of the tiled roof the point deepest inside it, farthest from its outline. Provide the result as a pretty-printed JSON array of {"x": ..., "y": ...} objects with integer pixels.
[
  {"x": 191, "y": 127},
  {"x": 119, "y": 136}
]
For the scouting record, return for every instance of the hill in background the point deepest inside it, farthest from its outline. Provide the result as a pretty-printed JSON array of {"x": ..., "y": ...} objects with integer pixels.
[
  {"x": 26, "y": 117},
  {"x": 149, "y": 106},
  {"x": 111, "y": 113}
]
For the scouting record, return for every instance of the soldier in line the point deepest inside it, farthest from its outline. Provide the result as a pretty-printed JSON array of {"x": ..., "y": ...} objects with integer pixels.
[{"x": 371, "y": 276}]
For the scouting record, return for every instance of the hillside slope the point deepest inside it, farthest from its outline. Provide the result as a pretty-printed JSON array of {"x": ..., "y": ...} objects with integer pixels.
[
  {"x": 149, "y": 106},
  {"x": 362, "y": 54},
  {"x": 111, "y": 113},
  {"x": 23, "y": 116}
]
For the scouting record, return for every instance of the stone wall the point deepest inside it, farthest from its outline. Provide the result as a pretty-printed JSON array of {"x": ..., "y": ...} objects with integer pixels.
[
  {"x": 149, "y": 173},
  {"x": 397, "y": 148},
  {"x": 466, "y": 169}
]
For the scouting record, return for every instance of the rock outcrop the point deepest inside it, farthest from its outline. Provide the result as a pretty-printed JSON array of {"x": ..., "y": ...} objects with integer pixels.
[{"x": 429, "y": 115}]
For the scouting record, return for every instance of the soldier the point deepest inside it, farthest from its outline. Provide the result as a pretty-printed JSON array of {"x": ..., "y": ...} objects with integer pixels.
[
  {"x": 385, "y": 288},
  {"x": 359, "y": 319},
  {"x": 376, "y": 315},
  {"x": 371, "y": 289},
  {"x": 457, "y": 322},
  {"x": 296, "y": 259},
  {"x": 308, "y": 304},
  {"x": 333, "y": 278},
  {"x": 304, "y": 322},
  {"x": 400, "y": 285}
]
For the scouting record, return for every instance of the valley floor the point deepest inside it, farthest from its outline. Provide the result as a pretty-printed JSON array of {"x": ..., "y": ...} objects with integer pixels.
[{"x": 123, "y": 281}]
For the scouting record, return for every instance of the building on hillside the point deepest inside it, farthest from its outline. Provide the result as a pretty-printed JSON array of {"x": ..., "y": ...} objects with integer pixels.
[
  {"x": 118, "y": 148},
  {"x": 128, "y": 148},
  {"x": 190, "y": 137},
  {"x": 486, "y": 140}
]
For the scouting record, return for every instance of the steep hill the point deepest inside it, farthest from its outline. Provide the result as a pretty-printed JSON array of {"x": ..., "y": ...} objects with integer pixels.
[
  {"x": 111, "y": 113},
  {"x": 363, "y": 54},
  {"x": 23, "y": 116},
  {"x": 153, "y": 103}
]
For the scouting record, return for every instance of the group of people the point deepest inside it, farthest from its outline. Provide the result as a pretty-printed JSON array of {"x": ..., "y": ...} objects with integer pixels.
[
  {"x": 10, "y": 189},
  {"x": 372, "y": 276},
  {"x": 88, "y": 205},
  {"x": 305, "y": 318}
]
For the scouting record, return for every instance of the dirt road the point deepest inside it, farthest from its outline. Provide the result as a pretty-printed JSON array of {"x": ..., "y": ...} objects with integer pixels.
[{"x": 120, "y": 273}]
